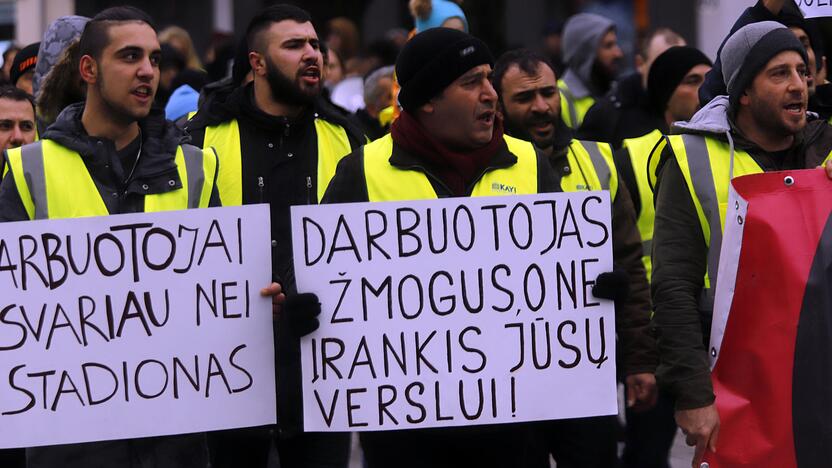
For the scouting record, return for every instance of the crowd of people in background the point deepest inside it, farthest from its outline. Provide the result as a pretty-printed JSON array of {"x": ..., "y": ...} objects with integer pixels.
[{"x": 309, "y": 116}]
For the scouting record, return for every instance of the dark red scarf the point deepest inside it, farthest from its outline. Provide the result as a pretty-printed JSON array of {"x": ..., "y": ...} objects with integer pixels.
[{"x": 457, "y": 170}]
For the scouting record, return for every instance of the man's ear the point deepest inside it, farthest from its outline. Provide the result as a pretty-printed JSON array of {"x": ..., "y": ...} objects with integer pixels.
[
  {"x": 745, "y": 100},
  {"x": 88, "y": 69},
  {"x": 257, "y": 62},
  {"x": 428, "y": 108}
]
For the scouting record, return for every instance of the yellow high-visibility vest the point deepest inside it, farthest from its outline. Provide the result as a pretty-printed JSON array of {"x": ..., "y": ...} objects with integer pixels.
[
  {"x": 53, "y": 182},
  {"x": 705, "y": 163},
  {"x": 573, "y": 109},
  {"x": 386, "y": 182},
  {"x": 333, "y": 144},
  {"x": 639, "y": 150}
]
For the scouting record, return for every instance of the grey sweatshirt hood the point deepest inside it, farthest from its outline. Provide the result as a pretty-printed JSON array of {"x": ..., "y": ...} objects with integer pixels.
[
  {"x": 57, "y": 37},
  {"x": 581, "y": 36},
  {"x": 713, "y": 118}
]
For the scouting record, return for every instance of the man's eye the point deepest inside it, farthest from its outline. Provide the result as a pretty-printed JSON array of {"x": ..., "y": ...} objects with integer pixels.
[
  {"x": 5, "y": 126},
  {"x": 27, "y": 126}
]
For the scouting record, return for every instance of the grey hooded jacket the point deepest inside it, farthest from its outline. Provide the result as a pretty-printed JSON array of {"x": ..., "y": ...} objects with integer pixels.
[
  {"x": 581, "y": 36},
  {"x": 680, "y": 253}
]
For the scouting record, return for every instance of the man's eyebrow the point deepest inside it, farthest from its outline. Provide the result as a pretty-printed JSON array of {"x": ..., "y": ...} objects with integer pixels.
[
  {"x": 475, "y": 74},
  {"x": 129, "y": 48}
]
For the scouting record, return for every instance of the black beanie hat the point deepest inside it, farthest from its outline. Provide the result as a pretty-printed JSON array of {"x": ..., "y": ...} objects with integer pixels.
[
  {"x": 432, "y": 60},
  {"x": 24, "y": 61},
  {"x": 668, "y": 71}
]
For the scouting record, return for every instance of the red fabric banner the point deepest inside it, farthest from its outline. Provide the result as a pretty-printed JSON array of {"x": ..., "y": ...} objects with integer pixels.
[{"x": 773, "y": 371}]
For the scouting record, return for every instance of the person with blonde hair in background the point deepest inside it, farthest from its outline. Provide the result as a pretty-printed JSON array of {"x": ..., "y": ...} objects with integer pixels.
[{"x": 180, "y": 40}]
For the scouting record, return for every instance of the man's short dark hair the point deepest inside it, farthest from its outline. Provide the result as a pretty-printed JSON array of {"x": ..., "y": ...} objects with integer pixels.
[
  {"x": 272, "y": 14},
  {"x": 14, "y": 93},
  {"x": 96, "y": 37},
  {"x": 525, "y": 59}
]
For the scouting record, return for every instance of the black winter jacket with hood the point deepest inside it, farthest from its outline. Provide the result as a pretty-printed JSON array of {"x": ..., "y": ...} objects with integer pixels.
[{"x": 279, "y": 167}]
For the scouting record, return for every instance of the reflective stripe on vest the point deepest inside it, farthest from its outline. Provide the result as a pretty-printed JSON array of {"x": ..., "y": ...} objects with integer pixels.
[
  {"x": 706, "y": 164},
  {"x": 386, "y": 182},
  {"x": 54, "y": 183},
  {"x": 591, "y": 167},
  {"x": 333, "y": 144},
  {"x": 572, "y": 109},
  {"x": 639, "y": 150}
]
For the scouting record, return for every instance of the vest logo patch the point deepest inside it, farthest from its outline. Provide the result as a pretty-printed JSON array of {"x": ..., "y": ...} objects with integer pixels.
[
  {"x": 467, "y": 51},
  {"x": 498, "y": 187}
]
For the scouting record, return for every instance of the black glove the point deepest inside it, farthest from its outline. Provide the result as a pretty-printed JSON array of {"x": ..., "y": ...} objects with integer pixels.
[
  {"x": 302, "y": 311},
  {"x": 613, "y": 285}
]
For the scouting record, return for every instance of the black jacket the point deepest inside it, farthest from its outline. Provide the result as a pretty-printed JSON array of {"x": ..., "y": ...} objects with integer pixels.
[
  {"x": 279, "y": 167},
  {"x": 623, "y": 113},
  {"x": 156, "y": 166}
]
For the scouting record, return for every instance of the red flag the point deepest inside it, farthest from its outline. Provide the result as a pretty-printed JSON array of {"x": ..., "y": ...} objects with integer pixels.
[{"x": 773, "y": 364}]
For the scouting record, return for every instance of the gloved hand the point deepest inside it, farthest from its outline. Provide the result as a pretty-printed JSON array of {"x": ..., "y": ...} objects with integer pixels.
[
  {"x": 613, "y": 285},
  {"x": 302, "y": 311}
]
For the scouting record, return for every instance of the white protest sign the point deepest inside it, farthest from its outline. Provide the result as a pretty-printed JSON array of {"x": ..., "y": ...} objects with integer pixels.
[
  {"x": 135, "y": 325},
  {"x": 815, "y": 8},
  {"x": 458, "y": 311}
]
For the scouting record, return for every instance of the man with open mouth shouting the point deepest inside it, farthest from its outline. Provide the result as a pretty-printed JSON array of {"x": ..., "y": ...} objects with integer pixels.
[
  {"x": 112, "y": 154},
  {"x": 278, "y": 143}
]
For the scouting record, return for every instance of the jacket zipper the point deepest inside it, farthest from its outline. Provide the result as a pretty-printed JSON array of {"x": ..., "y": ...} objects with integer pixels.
[
  {"x": 260, "y": 186},
  {"x": 308, "y": 190}
]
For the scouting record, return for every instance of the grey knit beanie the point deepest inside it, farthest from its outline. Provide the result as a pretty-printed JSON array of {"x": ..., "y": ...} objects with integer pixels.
[{"x": 749, "y": 49}]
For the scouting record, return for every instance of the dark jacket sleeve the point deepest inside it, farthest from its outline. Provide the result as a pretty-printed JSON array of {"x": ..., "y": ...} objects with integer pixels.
[
  {"x": 714, "y": 85},
  {"x": 599, "y": 123},
  {"x": 349, "y": 184},
  {"x": 638, "y": 345},
  {"x": 11, "y": 206},
  {"x": 679, "y": 264}
]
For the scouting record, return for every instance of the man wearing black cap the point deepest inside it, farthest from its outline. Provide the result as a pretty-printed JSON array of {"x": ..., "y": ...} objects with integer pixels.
[
  {"x": 760, "y": 126},
  {"x": 23, "y": 67},
  {"x": 450, "y": 136}
]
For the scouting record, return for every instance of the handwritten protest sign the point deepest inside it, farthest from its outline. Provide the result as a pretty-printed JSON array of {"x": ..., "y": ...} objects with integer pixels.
[
  {"x": 455, "y": 312},
  {"x": 134, "y": 325},
  {"x": 815, "y": 8}
]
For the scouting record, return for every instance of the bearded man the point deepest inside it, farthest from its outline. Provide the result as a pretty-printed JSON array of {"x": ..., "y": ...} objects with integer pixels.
[{"x": 278, "y": 143}]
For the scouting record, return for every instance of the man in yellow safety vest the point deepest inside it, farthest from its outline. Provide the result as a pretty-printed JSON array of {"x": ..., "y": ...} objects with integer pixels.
[{"x": 761, "y": 125}]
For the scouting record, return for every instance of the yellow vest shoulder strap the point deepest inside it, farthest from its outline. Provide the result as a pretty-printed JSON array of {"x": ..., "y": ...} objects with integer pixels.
[
  {"x": 333, "y": 144},
  {"x": 591, "y": 168},
  {"x": 225, "y": 139}
]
